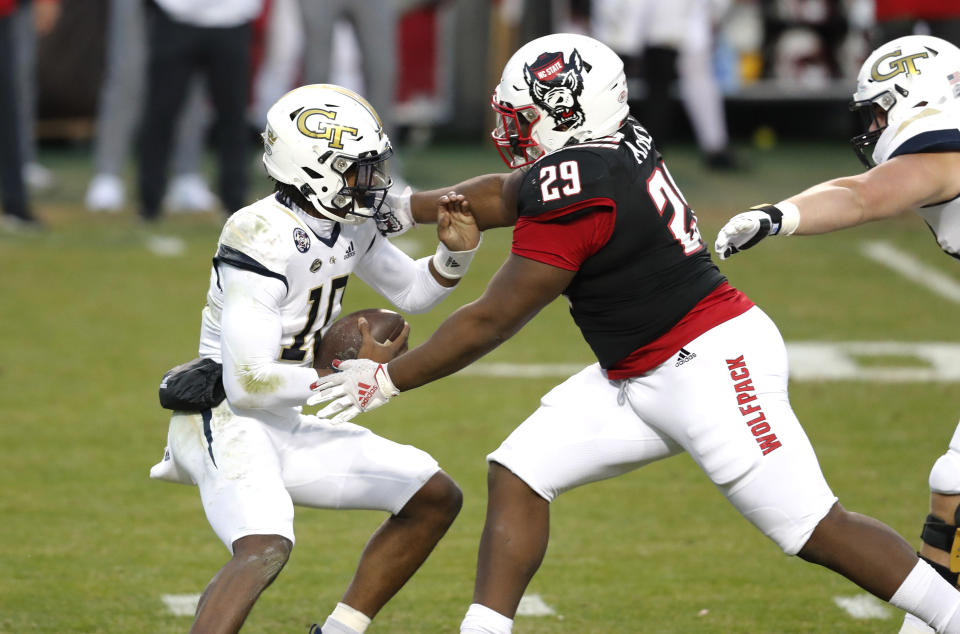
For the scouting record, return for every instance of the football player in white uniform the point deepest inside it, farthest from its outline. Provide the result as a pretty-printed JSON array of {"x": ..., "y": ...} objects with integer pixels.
[
  {"x": 276, "y": 284},
  {"x": 909, "y": 92}
]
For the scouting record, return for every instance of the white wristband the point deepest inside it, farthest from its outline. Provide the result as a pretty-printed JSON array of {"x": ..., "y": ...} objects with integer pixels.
[
  {"x": 791, "y": 217},
  {"x": 453, "y": 264}
]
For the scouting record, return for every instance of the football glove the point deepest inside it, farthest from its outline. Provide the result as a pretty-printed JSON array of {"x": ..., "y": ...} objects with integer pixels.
[
  {"x": 359, "y": 385},
  {"x": 395, "y": 216},
  {"x": 750, "y": 227}
]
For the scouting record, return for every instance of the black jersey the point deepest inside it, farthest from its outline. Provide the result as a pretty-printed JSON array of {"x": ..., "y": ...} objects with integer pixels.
[{"x": 652, "y": 267}]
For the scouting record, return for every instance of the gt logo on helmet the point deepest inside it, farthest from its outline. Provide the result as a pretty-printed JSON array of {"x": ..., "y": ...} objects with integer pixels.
[
  {"x": 905, "y": 64},
  {"x": 330, "y": 132}
]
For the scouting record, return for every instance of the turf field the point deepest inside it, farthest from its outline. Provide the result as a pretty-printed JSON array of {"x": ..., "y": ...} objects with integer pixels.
[{"x": 90, "y": 318}]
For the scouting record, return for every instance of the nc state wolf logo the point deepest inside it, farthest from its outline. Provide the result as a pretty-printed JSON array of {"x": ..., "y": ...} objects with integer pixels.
[{"x": 556, "y": 85}]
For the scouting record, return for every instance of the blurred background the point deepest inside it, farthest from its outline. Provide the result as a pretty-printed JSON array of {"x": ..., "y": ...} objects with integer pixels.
[{"x": 720, "y": 73}]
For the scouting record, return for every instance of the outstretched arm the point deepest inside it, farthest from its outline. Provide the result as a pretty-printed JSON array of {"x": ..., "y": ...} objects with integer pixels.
[
  {"x": 894, "y": 187},
  {"x": 519, "y": 290},
  {"x": 492, "y": 198}
]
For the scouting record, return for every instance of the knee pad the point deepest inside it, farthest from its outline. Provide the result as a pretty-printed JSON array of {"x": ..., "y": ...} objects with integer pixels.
[
  {"x": 946, "y": 537},
  {"x": 945, "y": 474}
]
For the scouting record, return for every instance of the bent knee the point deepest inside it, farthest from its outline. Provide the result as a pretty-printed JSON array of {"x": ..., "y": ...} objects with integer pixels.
[
  {"x": 439, "y": 496},
  {"x": 268, "y": 554},
  {"x": 945, "y": 474}
]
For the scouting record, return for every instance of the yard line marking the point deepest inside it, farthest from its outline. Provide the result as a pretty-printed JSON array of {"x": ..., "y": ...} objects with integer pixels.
[
  {"x": 818, "y": 361},
  {"x": 935, "y": 362},
  {"x": 863, "y": 606},
  {"x": 534, "y": 605},
  {"x": 912, "y": 269},
  {"x": 166, "y": 246},
  {"x": 181, "y": 604}
]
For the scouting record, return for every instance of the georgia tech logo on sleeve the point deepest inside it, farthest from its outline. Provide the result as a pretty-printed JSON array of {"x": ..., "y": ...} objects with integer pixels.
[
  {"x": 309, "y": 125},
  {"x": 901, "y": 64}
]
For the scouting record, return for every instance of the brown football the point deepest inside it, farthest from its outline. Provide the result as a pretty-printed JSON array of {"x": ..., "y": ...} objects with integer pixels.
[{"x": 343, "y": 339}]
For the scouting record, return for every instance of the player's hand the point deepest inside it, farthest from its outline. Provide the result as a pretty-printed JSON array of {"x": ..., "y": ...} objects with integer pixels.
[
  {"x": 372, "y": 349},
  {"x": 747, "y": 229},
  {"x": 456, "y": 227},
  {"x": 395, "y": 216},
  {"x": 357, "y": 386}
]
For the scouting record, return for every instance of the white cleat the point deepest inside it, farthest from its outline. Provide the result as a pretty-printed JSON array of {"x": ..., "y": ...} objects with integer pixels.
[
  {"x": 106, "y": 192},
  {"x": 189, "y": 193},
  {"x": 38, "y": 177}
]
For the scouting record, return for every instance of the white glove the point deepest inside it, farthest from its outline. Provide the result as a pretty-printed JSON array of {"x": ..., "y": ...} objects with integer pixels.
[
  {"x": 358, "y": 385},
  {"x": 750, "y": 227},
  {"x": 395, "y": 216}
]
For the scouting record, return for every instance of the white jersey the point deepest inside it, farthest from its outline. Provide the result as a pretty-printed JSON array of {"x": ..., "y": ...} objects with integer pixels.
[
  {"x": 276, "y": 285},
  {"x": 270, "y": 239},
  {"x": 932, "y": 130}
]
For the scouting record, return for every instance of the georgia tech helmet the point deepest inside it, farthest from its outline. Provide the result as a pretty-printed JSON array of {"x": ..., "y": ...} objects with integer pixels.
[
  {"x": 904, "y": 78},
  {"x": 329, "y": 143},
  {"x": 555, "y": 90}
]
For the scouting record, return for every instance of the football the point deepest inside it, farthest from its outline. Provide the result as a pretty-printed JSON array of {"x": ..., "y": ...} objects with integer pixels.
[{"x": 342, "y": 340}]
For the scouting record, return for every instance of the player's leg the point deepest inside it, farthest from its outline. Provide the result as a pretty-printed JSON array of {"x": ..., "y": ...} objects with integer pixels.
[
  {"x": 742, "y": 432},
  {"x": 940, "y": 546},
  {"x": 230, "y": 595},
  {"x": 513, "y": 542},
  {"x": 227, "y": 74},
  {"x": 349, "y": 467},
  {"x": 234, "y": 463},
  {"x": 582, "y": 432}
]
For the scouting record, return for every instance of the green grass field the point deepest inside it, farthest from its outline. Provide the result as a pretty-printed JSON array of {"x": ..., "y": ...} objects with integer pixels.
[{"x": 91, "y": 319}]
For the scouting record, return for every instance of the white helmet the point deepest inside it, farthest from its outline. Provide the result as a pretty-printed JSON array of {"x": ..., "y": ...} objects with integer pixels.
[
  {"x": 321, "y": 137},
  {"x": 903, "y": 78},
  {"x": 558, "y": 89}
]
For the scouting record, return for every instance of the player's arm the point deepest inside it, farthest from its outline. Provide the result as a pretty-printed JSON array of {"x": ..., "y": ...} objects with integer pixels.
[
  {"x": 250, "y": 335},
  {"x": 416, "y": 286},
  {"x": 894, "y": 187},
  {"x": 519, "y": 290},
  {"x": 492, "y": 198}
]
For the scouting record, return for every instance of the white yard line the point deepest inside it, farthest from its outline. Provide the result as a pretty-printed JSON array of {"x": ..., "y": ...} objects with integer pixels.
[
  {"x": 181, "y": 604},
  {"x": 912, "y": 269},
  {"x": 863, "y": 606},
  {"x": 932, "y": 362},
  {"x": 534, "y": 605}
]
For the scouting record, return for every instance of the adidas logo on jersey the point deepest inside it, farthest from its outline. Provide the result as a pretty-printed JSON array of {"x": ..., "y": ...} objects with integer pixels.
[
  {"x": 683, "y": 356},
  {"x": 350, "y": 251}
]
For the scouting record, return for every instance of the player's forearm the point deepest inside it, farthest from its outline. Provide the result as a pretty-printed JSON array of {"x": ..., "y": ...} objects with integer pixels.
[
  {"x": 463, "y": 338},
  {"x": 484, "y": 193},
  {"x": 829, "y": 206}
]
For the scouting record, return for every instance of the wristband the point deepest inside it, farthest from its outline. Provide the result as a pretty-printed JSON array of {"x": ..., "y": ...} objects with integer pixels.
[
  {"x": 791, "y": 217},
  {"x": 453, "y": 264}
]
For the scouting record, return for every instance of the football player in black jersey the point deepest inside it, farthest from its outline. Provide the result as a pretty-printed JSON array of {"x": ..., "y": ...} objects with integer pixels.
[{"x": 686, "y": 362}]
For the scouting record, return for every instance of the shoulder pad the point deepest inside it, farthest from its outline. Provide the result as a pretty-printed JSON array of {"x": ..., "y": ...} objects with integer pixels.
[
  {"x": 265, "y": 233},
  {"x": 936, "y": 131},
  {"x": 570, "y": 179}
]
